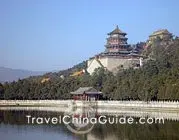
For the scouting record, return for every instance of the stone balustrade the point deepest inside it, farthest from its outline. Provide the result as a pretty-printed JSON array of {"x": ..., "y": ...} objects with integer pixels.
[{"x": 106, "y": 104}]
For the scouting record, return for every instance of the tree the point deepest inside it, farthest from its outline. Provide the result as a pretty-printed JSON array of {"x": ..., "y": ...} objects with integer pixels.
[{"x": 1, "y": 91}]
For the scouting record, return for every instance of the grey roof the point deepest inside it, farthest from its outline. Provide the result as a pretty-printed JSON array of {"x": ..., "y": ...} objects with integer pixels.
[
  {"x": 87, "y": 90},
  {"x": 116, "y": 31},
  {"x": 161, "y": 31}
]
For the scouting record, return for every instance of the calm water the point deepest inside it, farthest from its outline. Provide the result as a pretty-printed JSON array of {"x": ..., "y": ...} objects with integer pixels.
[{"x": 13, "y": 126}]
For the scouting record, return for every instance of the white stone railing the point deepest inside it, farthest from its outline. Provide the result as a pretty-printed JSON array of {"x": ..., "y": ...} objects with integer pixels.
[
  {"x": 35, "y": 102},
  {"x": 116, "y": 104},
  {"x": 150, "y": 104},
  {"x": 156, "y": 113},
  {"x": 132, "y": 104}
]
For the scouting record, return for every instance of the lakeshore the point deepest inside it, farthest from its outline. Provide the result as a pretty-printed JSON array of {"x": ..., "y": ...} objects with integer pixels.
[
  {"x": 168, "y": 114},
  {"x": 164, "y": 105},
  {"x": 166, "y": 111}
]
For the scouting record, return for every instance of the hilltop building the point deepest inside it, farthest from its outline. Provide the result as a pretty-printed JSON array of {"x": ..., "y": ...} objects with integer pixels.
[
  {"x": 118, "y": 54},
  {"x": 163, "y": 34}
]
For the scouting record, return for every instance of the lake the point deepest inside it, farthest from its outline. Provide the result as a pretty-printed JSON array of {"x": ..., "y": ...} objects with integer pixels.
[{"x": 14, "y": 126}]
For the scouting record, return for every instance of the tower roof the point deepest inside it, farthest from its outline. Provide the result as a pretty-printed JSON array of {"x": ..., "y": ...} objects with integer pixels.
[{"x": 116, "y": 31}]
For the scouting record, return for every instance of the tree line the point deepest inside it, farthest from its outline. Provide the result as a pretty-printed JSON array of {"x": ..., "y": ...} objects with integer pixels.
[{"x": 158, "y": 79}]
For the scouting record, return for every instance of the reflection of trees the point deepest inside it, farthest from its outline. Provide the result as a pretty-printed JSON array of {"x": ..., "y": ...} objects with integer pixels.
[
  {"x": 19, "y": 117},
  {"x": 168, "y": 130}
]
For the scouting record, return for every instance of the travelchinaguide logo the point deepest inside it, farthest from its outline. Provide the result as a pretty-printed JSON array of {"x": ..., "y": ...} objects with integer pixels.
[{"x": 79, "y": 119}]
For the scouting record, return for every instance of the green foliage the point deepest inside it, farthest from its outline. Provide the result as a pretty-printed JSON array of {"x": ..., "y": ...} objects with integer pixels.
[
  {"x": 158, "y": 79},
  {"x": 1, "y": 91}
]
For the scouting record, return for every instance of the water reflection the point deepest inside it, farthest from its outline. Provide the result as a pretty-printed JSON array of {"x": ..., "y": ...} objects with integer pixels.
[{"x": 13, "y": 125}]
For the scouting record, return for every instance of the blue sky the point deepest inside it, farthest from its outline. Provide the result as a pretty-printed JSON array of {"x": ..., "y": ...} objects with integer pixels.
[{"x": 45, "y": 35}]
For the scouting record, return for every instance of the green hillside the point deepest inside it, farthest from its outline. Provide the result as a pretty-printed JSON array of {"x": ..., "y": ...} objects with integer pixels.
[{"x": 158, "y": 79}]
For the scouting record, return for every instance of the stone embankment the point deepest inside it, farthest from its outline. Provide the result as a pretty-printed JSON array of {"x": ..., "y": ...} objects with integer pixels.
[{"x": 100, "y": 104}]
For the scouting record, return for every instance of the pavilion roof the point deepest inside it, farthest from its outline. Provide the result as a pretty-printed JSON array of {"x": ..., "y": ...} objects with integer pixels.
[{"x": 87, "y": 90}]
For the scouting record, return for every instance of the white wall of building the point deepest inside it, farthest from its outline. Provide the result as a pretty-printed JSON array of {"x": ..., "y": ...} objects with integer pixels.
[
  {"x": 111, "y": 63},
  {"x": 92, "y": 65}
]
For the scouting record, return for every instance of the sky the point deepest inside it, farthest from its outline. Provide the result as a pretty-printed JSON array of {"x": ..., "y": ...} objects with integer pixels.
[{"x": 47, "y": 35}]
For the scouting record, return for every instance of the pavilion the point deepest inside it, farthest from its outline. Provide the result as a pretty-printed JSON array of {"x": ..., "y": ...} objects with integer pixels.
[{"x": 86, "y": 94}]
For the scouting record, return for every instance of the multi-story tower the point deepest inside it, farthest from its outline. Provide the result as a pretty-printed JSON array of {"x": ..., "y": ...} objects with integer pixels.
[
  {"x": 116, "y": 42},
  {"x": 118, "y": 54}
]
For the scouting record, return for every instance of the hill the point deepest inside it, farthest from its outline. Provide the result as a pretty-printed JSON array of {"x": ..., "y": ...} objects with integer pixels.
[
  {"x": 9, "y": 75},
  {"x": 157, "y": 79}
]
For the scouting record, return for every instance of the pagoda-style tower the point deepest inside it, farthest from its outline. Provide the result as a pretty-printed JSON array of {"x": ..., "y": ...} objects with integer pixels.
[
  {"x": 116, "y": 42},
  {"x": 117, "y": 55}
]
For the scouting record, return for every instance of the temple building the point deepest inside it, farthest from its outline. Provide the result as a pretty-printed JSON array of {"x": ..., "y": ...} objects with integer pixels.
[
  {"x": 118, "y": 54},
  {"x": 86, "y": 94},
  {"x": 161, "y": 34}
]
